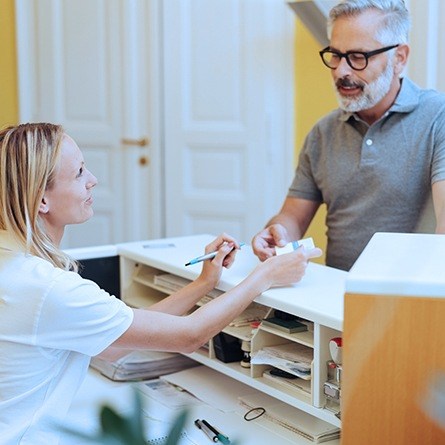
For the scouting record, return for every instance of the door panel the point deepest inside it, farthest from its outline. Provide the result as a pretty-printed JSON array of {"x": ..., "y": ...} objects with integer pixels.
[
  {"x": 225, "y": 109},
  {"x": 83, "y": 64}
]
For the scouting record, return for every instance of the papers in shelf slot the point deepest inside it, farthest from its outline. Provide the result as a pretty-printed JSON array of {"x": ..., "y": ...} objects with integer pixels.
[
  {"x": 292, "y": 357},
  {"x": 174, "y": 283},
  {"x": 255, "y": 312},
  {"x": 299, "y": 422},
  {"x": 292, "y": 351},
  {"x": 295, "y": 384},
  {"x": 170, "y": 281}
]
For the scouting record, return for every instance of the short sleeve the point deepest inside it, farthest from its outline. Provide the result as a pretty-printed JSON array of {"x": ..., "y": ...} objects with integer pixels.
[
  {"x": 303, "y": 185},
  {"x": 78, "y": 315}
]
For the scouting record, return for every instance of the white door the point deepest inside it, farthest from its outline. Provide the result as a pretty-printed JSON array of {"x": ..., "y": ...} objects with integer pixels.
[
  {"x": 228, "y": 114},
  {"x": 182, "y": 108},
  {"x": 84, "y": 64}
]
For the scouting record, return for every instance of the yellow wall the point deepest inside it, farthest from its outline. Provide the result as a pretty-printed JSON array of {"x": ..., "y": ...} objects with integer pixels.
[
  {"x": 8, "y": 65},
  {"x": 313, "y": 99}
]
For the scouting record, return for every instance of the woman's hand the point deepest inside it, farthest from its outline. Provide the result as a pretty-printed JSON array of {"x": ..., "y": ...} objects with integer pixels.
[
  {"x": 289, "y": 268},
  {"x": 226, "y": 247}
]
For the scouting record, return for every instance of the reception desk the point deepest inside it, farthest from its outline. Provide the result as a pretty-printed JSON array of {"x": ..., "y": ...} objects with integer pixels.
[{"x": 393, "y": 388}]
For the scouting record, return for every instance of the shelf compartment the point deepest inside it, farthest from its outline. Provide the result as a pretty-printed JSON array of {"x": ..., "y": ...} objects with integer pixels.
[
  {"x": 305, "y": 338},
  {"x": 139, "y": 295}
]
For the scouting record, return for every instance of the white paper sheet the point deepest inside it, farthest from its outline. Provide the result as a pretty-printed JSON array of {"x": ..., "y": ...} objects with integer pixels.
[{"x": 211, "y": 387}]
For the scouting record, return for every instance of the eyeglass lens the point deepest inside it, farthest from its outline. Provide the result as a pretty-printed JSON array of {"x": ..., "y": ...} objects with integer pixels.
[{"x": 357, "y": 61}]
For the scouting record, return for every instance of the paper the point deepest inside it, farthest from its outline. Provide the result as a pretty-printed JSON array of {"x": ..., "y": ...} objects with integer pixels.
[
  {"x": 141, "y": 364},
  {"x": 263, "y": 358},
  {"x": 308, "y": 243},
  {"x": 167, "y": 394},
  {"x": 210, "y": 386}
]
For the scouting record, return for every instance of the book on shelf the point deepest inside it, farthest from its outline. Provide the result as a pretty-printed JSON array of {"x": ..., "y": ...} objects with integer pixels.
[
  {"x": 289, "y": 326},
  {"x": 141, "y": 365}
]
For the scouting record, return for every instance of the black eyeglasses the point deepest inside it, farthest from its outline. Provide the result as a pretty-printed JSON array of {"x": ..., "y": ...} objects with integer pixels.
[{"x": 357, "y": 60}]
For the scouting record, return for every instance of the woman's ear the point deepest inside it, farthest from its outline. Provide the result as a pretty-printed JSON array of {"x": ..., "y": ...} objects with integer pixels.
[{"x": 43, "y": 208}]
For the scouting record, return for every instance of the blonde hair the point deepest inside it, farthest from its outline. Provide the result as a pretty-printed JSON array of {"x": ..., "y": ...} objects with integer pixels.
[{"x": 28, "y": 158}]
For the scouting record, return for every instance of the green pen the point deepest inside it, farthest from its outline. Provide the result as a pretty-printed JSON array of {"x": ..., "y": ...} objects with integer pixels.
[
  {"x": 220, "y": 436},
  {"x": 223, "y": 439}
]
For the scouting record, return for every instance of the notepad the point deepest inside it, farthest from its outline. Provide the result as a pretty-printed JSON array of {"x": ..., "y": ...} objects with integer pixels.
[
  {"x": 299, "y": 422},
  {"x": 183, "y": 440}
]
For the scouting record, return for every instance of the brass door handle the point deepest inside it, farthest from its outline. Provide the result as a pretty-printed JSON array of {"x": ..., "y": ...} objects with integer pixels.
[{"x": 143, "y": 142}]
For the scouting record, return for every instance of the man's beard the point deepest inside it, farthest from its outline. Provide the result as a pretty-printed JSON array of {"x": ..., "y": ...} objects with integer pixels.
[{"x": 371, "y": 94}]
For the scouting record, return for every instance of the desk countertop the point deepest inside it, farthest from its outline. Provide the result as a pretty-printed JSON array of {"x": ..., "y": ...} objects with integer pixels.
[
  {"x": 404, "y": 264},
  {"x": 318, "y": 296},
  {"x": 98, "y": 390}
]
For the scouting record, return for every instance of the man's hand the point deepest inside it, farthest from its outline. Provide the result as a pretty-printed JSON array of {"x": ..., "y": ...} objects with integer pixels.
[{"x": 264, "y": 242}]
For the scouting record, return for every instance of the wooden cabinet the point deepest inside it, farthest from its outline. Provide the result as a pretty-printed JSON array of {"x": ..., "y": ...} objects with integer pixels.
[{"x": 394, "y": 355}]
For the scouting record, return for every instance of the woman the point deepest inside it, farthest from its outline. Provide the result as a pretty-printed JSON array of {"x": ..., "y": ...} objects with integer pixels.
[{"x": 51, "y": 320}]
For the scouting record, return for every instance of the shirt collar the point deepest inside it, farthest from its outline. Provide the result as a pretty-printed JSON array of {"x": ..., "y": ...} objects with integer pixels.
[{"x": 406, "y": 101}]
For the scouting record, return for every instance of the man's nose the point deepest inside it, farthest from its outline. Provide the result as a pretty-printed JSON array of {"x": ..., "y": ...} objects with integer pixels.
[{"x": 343, "y": 69}]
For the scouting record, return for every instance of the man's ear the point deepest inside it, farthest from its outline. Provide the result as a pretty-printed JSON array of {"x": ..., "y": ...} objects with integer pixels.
[
  {"x": 401, "y": 58},
  {"x": 43, "y": 207}
]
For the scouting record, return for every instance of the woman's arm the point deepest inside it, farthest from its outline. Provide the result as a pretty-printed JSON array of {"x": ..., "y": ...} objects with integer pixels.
[{"x": 167, "y": 332}]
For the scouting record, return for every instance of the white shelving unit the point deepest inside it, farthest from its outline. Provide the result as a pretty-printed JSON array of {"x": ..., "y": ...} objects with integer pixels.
[{"x": 318, "y": 298}]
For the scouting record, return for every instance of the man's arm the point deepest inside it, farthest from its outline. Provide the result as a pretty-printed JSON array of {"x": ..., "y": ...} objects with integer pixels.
[
  {"x": 438, "y": 191},
  {"x": 289, "y": 224}
]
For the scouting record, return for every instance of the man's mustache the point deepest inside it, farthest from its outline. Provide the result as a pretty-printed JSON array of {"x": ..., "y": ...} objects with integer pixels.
[{"x": 348, "y": 83}]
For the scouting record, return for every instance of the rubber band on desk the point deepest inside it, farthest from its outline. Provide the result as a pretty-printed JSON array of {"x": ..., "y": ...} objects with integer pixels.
[{"x": 260, "y": 410}]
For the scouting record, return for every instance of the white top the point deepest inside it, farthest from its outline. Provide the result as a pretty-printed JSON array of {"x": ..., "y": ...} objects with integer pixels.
[
  {"x": 51, "y": 322},
  {"x": 404, "y": 264},
  {"x": 317, "y": 297}
]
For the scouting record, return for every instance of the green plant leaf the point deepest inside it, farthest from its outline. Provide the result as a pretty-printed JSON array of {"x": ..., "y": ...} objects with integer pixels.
[
  {"x": 136, "y": 423},
  {"x": 112, "y": 423},
  {"x": 177, "y": 428}
]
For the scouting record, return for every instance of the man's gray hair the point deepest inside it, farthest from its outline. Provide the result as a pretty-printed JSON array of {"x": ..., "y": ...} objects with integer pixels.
[{"x": 395, "y": 26}]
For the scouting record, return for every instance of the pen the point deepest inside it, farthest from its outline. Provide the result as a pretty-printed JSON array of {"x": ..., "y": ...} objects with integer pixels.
[
  {"x": 220, "y": 436},
  {"x": 208, "y": 256},
  {"x": 208, "y": 432}
]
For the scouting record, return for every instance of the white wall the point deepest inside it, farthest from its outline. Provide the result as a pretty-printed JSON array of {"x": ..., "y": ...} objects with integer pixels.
[{"x": 427, "y": 60}]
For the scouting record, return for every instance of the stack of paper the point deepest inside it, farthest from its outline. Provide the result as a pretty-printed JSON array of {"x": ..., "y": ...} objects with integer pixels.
[
  {"x": 294, "y": 358},
  {"x": 300, "y": 422},
  {"x": 140, "y": 365},
  {"x": 254, "y": 312},
  {"x": 171, "y": 282}
]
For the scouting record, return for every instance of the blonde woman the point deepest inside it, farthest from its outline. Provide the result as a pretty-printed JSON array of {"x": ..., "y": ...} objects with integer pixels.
[{"x": 52, "y": 321}]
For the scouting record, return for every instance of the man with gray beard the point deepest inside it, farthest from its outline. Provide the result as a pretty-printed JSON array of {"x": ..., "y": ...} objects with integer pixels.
[{"x": 377, "y": 162}]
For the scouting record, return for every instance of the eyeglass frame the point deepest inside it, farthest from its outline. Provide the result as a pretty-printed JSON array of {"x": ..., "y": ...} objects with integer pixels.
[{"x": 365, "y": 54}]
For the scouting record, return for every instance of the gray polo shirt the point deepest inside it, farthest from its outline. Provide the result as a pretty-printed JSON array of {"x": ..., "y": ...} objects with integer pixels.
[{"x": 373, "y": 178}]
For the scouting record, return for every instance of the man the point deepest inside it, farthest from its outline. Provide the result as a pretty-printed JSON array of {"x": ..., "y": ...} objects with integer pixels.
[{"x": 377, "y": 160}]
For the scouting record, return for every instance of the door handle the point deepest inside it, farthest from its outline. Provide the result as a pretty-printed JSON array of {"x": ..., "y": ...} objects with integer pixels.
[{"x": 143, "y": 142}]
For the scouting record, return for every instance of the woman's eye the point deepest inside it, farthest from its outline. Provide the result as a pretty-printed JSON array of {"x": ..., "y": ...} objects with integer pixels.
[{"x": 80, "y": 172}]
